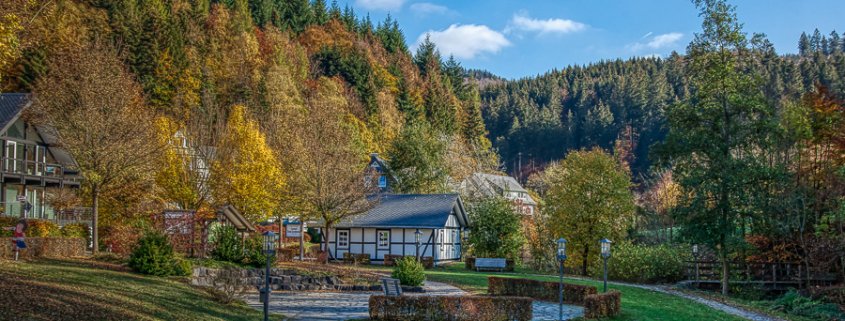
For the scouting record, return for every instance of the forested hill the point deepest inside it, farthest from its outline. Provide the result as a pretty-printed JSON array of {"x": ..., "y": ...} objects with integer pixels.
[
  {"x": 198, "y": 58},
  {"x": 619, "y": 105}
]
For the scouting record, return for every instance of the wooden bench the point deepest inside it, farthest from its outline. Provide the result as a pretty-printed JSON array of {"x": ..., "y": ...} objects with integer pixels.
[
  {"x": 391, "y": 287},
  {"x": 490, "y": 264}
]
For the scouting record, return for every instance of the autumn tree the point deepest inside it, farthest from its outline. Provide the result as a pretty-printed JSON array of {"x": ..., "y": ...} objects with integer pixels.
[
  {"x": 327, "y": 182},
  {"x": 182, "y": 174},
  {"x": 659, "y": 199},
  {"x": 497, "y": 229},
  {"x": 714, "y": 138},
  {"x": 245, "y": 173},
  {"x": 96, "y": 109},
  {"x": 416, "y": 159},
  {"x": 588, "y": 199}
]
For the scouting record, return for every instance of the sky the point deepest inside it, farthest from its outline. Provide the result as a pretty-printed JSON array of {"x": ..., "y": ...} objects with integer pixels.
[{"x": 516, "y": 39}]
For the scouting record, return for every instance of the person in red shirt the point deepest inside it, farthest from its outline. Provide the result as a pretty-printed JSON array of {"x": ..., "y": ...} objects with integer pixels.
[{"x": 18, "y": 236}]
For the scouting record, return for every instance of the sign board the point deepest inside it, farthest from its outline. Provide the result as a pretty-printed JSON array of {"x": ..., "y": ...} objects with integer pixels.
[
  {"x": 292, "y": 230},
  {"x": 21, "y": 198},
  {"x": 178, "y": 222}
]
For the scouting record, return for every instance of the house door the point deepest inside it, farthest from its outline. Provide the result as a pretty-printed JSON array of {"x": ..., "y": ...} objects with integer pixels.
[{"x": 442, "y": 244}]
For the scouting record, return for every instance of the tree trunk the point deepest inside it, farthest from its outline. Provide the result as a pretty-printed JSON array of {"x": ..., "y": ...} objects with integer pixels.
[
  {"x": 723, "y": 255},
  {"x": 325, "y": 236},
  {"x": 301, "y": 239},
  {"x": 584, "y": 261},
  {"x": 95, "y": 200}
]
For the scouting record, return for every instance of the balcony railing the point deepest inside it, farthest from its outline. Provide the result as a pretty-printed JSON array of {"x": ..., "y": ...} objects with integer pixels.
[
  {"x": 62, "y": 217},
  {"x": 29, "y": 167}
]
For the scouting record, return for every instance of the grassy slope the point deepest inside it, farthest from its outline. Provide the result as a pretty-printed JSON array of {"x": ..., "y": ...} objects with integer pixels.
[
  {"x": 73, "y": 290},
  {"x": 637, "y": 304}
]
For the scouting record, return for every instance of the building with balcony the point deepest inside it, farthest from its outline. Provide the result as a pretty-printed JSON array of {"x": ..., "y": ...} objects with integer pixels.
[{"x": 32, "y": 168}]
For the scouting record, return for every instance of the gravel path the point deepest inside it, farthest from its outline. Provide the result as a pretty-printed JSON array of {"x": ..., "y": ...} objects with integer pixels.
[{"x": 330, "y": 306}]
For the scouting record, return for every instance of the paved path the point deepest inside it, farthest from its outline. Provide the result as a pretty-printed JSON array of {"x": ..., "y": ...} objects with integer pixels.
[{"x": 326, "y": 306}]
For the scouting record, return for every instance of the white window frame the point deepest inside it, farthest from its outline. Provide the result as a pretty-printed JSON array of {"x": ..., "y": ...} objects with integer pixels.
[
  {"x": 386, "y": 244},
  {"x": 338, "y": 242}
]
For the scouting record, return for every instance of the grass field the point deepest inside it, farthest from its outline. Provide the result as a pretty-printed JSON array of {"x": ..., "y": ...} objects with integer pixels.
[
  {"x": 77, "y": 290},
  {"x": 637, "y": 304}
]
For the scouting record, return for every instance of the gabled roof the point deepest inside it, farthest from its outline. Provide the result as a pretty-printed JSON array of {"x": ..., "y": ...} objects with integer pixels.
[
  {"x": 411, "y": 211},
  {"x": 231, "y": 214},
  {"x": 11, "y": 106},
  {"x": 487, "y": 185}
]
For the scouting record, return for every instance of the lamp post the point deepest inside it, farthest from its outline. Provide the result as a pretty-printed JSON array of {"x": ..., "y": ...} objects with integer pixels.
[
  {"x": 418, "y": 238},
  {"x": 605, "y": 254},
  {"x": 561, "y": 257},
  {"x": 695, "y": 258},
  {"x": 269, "y": 251}
]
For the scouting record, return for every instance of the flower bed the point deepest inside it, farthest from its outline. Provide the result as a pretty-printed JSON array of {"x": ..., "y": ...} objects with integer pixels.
[
  {"x": 539, "y": 290},
  {"x": 457, "y": 308},
  {"x": 357, "y": 258},
  {"x": 602, "y": 305},
  {"x": 50, "y": 247}
]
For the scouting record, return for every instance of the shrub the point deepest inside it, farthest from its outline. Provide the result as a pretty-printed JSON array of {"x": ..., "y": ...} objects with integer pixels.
[
  {"x": 796, "y": 304},
  {"x": 7, "y": 221},
  {"x": 539, "y": 290},
  {"x": 42, "y": 228},
  {"x": 120, "y": 238},
  {"x": 458, "y": 308},
  {"x": 602, "y": 305},
  {"x": 409, "y": 271},
  {"x": 75, "y": 230},
  {"x": 255, "y": 255},
  {"x": 53, "y": 247},
  {"x": 644, "y": 263},
  {"x": 153, "y": 255},
  {"x": 227, "y": 246}
]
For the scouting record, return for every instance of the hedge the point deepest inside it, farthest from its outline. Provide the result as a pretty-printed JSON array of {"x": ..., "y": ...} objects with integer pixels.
[
  {"x": 539, "y": 290},
  {"x": 455, "y": 308},
  {"x": 390, "y": 260},
  {"x": 644, "y": 263},
  {"x": 50, "y": 247},
  {"x": 469, "y": 264},
  {"x": 602, "y": 305}
]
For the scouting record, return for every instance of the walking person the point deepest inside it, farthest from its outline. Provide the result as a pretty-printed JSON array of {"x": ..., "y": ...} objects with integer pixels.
[{"x": 18, "y": 236}]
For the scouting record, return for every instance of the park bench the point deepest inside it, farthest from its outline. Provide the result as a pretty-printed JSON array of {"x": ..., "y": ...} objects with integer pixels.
[
  {"x": 391, "y": 287},
  {"x": 490, "y": 264}
]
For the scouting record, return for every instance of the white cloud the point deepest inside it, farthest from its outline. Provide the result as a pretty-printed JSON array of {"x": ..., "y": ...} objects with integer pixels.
[
  {"x": 386, "y": 5},
  {"x": 658, "y": 42},
  {"x": 466, "y": 41},
  {"x": 428, "y": 8},
  {"x": 521, "y": 21}
]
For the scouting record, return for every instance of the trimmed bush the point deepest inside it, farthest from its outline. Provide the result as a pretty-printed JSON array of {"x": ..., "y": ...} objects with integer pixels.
[
  {"x": 409, "y": 271},
  {"x": 79, "y": 230},
  {"x": 42, "y": 228},
  {"x": 7, "y": 221},
  {"x": 153, "y": 255},
  {"x": 644, "y": 263},
  {"x": 539, "y": 290},
  {"x": 602, "y": 305},
  {"x": 53, "y": 247},
  {"x": 455, "y": 308}
]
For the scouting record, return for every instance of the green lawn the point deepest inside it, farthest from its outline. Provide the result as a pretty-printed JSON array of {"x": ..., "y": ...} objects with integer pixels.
[
  {"x": 637, "y": 304},
  {"x": 74, "y": 290}
]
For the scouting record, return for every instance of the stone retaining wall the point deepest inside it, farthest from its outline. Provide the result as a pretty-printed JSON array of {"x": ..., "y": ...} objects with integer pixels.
[{"x": 280, "y": 279}]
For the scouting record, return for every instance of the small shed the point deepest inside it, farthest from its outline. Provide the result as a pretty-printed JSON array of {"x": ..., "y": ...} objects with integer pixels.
[
  {"x": 389, "y": 228},
  {"x": 229, "y": 215}
]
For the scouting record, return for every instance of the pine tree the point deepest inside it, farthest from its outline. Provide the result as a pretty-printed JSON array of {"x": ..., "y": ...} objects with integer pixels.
[
  {"x": 804, "y": 45},
  {"x": 321, "y": 15}
]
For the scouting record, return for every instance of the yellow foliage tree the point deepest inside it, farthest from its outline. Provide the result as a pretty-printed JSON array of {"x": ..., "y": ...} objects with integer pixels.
[
  {"x": 178, "y": 178},
  {"x": 245, "y": 172},
  {"x": 588, "y": 199}
]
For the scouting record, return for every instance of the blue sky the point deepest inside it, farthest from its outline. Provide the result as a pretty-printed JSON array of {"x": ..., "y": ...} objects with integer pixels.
[{"x": 524, "y": 38}]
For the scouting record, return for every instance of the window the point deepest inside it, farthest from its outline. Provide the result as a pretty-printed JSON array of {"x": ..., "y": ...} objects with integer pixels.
[
  {"x": 382, "y": 181},
  {"x": 383, "y": 239},
  {"x": 343, "y": 239}
]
